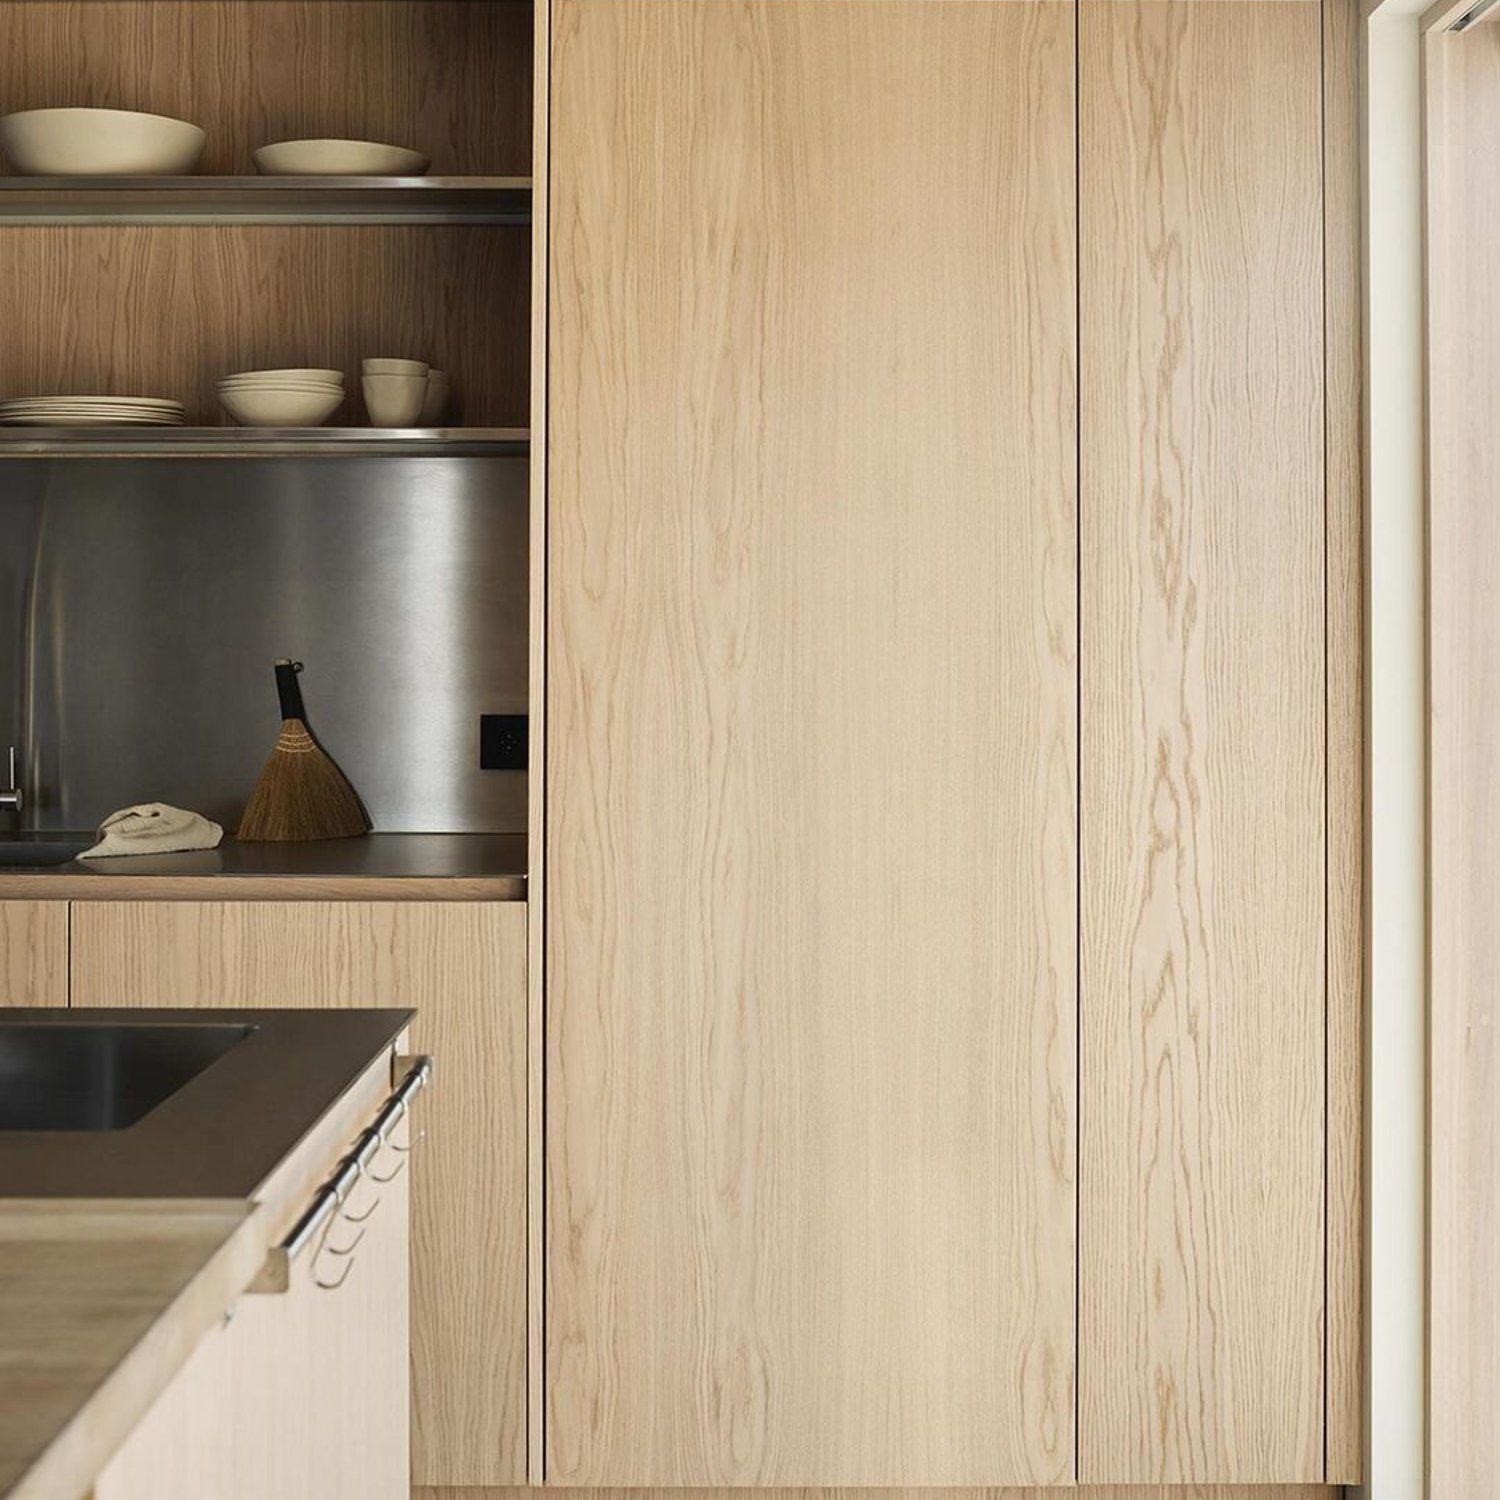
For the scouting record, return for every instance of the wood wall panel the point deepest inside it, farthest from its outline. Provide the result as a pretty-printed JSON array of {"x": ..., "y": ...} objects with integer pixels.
[
  {"x": 33, "y": 952},
  {"x": 451, "y": 78},
  {"x": 1463, "y": 1157},
  {"x": 1082, "y": 1492},
  {"x": 811, "y": 702},
  {"x": 1201, "y": 1339},
  {"x": 166, "y": 310},
  {"x": 536, "y": 775},
  {"x": 463, "y": 966},
  {"x": 1346, "y": 741}
]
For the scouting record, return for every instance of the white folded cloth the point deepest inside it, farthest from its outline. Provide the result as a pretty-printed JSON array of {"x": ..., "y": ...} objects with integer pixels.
[{"x": 153, "y": 828}]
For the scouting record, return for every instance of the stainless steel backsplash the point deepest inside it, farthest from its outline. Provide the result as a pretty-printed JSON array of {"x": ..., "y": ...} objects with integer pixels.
[{"x": 143, "y": 601}]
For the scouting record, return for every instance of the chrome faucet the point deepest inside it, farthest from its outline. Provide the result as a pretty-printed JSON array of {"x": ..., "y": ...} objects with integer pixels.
[{"x": 11, "y": 797}]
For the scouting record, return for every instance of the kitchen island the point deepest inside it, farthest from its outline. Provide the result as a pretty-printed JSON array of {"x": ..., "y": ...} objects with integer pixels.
[{"x": 127, "y": 1243}]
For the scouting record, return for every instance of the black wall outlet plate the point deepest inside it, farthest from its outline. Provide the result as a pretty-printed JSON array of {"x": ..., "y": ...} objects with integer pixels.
[{"x": 502, "y": 742}]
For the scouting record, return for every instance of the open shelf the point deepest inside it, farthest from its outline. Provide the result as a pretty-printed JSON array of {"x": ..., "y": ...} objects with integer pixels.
[
  {"x": 261, "y": 442},
  {"x": 265, "y": 200}
]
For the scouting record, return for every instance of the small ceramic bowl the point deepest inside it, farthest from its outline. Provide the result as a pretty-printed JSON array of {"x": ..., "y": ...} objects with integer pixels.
[{"x": 394, "y": 400}]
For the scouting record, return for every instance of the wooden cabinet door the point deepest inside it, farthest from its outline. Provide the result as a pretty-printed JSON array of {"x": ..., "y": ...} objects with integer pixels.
[
  {"x": 811, "y": 799},
  {"x": 1203, "y": 743},
  {"x": 299, "y": 1393},
  {"x": 463, "y": 966},
  {"x": 33, "y": 952}
]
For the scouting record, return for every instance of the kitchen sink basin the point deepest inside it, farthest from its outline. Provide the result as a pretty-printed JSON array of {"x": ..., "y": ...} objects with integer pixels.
[
  {"x": 32, "y": 853},
  {"x": 100, "y": 1077}
]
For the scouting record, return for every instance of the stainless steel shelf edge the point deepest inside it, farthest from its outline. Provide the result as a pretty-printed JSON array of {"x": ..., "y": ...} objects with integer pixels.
[
  {"x": 265, "y": 200},
  {"x": 261, "y": 442}
]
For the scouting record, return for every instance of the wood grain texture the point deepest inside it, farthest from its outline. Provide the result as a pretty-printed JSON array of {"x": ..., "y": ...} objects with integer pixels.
[
  {"x": 1081, "y": 1492},
  {"x": 101, "y": 1304},
  {"x": 811, "y": 704},
  {"x": 167, "y": 310},
  {"x": 1202, "y": 503},
  {"x": 1344, "y": 400},
  {"x": 303, "y": 1393},
  {"x": 1463, "y": 1158},
  {"x": 463, "y": 968},
  {"x": 33, "y": 952},
  {"x": 451, "y": 78},
  {"x": 536, "y": 777}
]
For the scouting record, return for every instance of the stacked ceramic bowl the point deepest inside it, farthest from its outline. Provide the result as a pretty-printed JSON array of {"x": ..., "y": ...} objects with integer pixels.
[
  {"x": 91, "y": 411},
  {"x": 403, "y": 392},
  {"x": 282, "y": 398}
]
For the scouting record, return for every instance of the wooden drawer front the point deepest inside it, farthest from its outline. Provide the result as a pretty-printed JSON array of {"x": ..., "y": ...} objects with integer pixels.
[{"x": 33, "y": 952}]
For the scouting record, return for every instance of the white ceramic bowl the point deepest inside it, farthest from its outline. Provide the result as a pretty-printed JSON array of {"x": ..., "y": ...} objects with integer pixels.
[
  {"x": 270, "y": 406},
  {"x": 333, "y": 158},
  {"x": 99, "y": 143},
  {"x": 394, "y": 400},
  {"x": 394, "y": 367},
  {"x": 436, "y": 401},
  {"x": 278, "y": 377}
]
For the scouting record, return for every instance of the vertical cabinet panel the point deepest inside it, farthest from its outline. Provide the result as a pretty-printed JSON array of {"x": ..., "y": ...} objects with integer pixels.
[
  {"x": 463, "y": 967},
  {"x": 1462, "y": 90},
  {"x": 1343, "y": 257},
  {"x": 811, "y": 989},
  {"x": 33, "y": 952},
  {"x": 1203, "y": 741}
]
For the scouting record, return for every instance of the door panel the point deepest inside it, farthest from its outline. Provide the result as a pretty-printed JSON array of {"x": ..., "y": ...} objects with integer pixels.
[
  {"x": 33, "y": 952},
  {"x": 1203, "y": 743},
  {"x": 811, "y": 734},
  {"x": 462, "y": 965}
]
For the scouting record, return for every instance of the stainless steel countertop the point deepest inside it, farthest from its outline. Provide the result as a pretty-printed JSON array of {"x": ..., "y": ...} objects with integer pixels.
[
  {"x": 415, "y": 866},
  {"x": 222, "y": 1134}
]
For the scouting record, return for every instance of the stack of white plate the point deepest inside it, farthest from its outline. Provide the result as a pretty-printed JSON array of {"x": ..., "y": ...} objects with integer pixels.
[
  {"x": 91, "y": 411},
  {"x": 282, "y": 398}
]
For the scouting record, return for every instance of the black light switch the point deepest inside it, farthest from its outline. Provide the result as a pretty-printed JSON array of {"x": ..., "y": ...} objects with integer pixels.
[{"x": 502, "y": 742}]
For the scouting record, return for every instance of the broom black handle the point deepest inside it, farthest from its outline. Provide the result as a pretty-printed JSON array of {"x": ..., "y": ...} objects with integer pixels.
[{"x": 288, "y": 690}]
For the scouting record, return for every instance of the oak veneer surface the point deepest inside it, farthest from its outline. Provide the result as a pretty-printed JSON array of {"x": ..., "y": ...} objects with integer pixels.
[
  {"x": 1081, "y": 1492},
  {"x": 1345, "y": 752},
  {"x": 1463, "y": 237},
  {"x": 1201, "y": 1310},
  {"x": 451, "y": 78},
  {"x": 33, "y": 953},
  {"x": 167, "y": 310},
  {"x": 463, "y": 966},
  {"x": 811, "y": 745},
  {"x": 101, "y": 1304}
]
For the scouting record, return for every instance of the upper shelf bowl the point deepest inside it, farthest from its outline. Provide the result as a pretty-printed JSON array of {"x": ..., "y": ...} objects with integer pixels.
[
  {"x": 99, "y": 143},
  {"x": 337, "y": 158}
]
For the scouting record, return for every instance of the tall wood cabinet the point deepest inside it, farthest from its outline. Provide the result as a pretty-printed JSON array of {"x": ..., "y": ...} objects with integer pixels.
[
  {"x": 948, "y": 795},
  {"x": 811, "y": 996}
]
